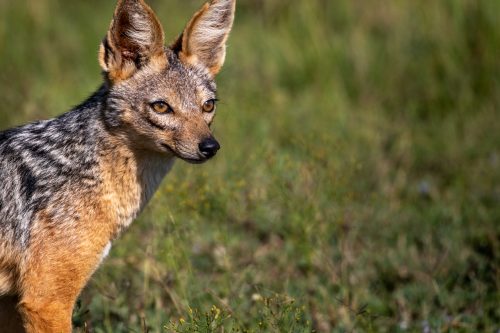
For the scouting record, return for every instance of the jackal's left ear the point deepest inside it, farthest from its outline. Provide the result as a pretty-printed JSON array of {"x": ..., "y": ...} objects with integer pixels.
[
  {"x": 203, "y": 42},
  {"x": 135, "y": 38}
]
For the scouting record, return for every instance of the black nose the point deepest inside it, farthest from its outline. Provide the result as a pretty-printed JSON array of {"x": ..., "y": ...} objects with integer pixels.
[{"x": 209, "y": 147}]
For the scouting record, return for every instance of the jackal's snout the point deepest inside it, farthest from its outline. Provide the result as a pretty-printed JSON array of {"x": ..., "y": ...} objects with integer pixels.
[{"x": 209, "y": 147}]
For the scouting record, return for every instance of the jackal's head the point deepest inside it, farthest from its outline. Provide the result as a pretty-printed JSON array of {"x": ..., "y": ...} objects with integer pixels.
[{"x": 164, "y": 98}]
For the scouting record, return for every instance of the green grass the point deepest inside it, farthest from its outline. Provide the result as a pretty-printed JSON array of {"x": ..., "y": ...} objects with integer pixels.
[{"x": 358, "y": 189}]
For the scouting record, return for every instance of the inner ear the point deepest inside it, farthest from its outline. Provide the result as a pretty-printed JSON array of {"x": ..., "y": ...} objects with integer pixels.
[
  {"x": 177, "y": 45},
  {"x": 137, "y": 30},
  {"x": 134, "y": 39}
]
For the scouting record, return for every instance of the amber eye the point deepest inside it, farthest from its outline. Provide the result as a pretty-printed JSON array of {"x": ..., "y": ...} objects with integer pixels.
[
  {"x": 209, "y": 106},
  {"x": 161, "y": 107}
]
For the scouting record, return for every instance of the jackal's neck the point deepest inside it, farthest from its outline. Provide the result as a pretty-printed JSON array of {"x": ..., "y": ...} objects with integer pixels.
[
  {"x": 130, "y": 177},
  {"x": 126, "y": 174},
  {"x": 130, "y": 174}
]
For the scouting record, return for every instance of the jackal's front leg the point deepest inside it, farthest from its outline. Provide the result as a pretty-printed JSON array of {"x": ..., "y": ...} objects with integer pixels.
[
  {"x": 56, "y": 271},
  {"x": 41, "y": 317},
  {"x": 49, "y": 291}
]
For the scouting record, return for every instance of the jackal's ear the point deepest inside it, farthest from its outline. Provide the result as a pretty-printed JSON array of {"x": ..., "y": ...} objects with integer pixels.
[
  {"x": 135, "y": 38},
  {"x": 203, "y": 42}
]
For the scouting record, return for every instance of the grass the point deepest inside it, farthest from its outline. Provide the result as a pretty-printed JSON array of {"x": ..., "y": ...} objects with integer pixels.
[{"x": 358, "y": 189}]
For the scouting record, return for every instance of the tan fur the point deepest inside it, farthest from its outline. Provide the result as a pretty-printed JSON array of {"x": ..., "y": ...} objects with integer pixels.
[
  {"x": 129, "y": 182},
  {"x": 56, "y": 271}
]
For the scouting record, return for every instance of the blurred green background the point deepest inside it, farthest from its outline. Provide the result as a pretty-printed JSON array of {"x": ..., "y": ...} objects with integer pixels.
[{"x": 358, "y": 189}]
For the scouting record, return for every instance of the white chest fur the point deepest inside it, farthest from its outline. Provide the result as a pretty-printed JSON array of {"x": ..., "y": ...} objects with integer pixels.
[{"x": 105, "y": 252}]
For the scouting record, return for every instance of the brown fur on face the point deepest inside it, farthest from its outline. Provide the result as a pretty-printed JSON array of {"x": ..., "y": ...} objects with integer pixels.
[
  {"x": 185, "y": 89},
  {"x": 181, "y": 76}
]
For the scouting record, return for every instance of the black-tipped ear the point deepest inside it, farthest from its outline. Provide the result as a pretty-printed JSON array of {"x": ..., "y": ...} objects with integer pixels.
[
  {"x": 134, "y": 39},
  {"x": 203, "y": 42}
]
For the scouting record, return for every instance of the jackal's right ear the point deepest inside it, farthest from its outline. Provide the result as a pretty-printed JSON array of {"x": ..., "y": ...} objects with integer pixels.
[{"x": 135, "y": 38}]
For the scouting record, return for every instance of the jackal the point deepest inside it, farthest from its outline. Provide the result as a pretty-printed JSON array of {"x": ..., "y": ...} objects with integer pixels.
[{"x": 71, "y": 185}]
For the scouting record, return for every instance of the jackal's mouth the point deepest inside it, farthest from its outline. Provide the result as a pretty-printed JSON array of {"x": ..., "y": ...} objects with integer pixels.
[{"x": 187, "y": 159}]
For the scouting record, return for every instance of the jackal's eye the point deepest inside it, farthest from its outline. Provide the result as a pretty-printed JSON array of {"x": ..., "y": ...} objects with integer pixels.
[
  {"x": 209, "y": 106},
  {"x": 161, "y": 107}
]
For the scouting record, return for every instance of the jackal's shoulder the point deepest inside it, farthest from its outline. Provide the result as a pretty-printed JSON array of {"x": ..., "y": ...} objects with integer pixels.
[
  {"x": 66, "y": 144},
  {"x": 39, "y": 159}
]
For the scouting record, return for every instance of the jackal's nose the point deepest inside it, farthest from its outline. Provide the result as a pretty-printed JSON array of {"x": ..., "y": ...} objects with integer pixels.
[{"x": 209, "y": 147}]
